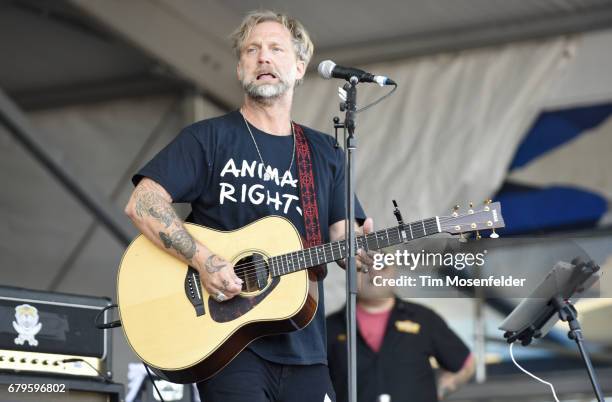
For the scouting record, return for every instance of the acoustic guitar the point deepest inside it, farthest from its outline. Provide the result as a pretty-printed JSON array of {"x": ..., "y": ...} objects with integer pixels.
[{"x": 185, "y": 335}]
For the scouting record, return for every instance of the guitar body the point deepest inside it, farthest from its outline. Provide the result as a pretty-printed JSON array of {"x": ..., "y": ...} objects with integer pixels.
[{"x": 183, "y": 341}]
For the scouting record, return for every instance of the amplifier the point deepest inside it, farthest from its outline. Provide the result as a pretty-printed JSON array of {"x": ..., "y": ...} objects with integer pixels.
[{"x": 53, "y": 333}]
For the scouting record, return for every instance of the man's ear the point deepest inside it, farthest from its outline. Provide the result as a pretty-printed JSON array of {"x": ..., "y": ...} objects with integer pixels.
[{"x": 301, "y": 69}]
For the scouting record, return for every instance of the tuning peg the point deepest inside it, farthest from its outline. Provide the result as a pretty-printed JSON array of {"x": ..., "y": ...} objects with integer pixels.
[
  {"x": 486, "y": 204},
  {"x": 471, "y": 210},
  {"x": 478, "y": 236},
  {"x": 455, "y": 209},
  {"x": 462, "y": 238},
  {"x": 494, "y": 234}
]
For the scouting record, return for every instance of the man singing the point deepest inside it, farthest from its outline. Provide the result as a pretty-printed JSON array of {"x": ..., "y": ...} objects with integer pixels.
[{"x": 235, "y": 169}]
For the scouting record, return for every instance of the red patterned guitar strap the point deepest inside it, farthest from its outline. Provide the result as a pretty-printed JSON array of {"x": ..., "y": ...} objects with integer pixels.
[{"x": 308, "y": 196}]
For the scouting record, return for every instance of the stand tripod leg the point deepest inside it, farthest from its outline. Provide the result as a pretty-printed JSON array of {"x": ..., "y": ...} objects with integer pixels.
[
  {"x": 577, "y": 334},
  {"x": 567, "y": 312}
]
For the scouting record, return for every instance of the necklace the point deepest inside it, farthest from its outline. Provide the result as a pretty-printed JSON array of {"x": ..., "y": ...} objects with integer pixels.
[{"x": 267, "y": 176}]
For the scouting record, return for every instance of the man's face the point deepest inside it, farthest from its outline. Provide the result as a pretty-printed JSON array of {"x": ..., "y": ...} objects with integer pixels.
[{"x": 268, "y": 65}]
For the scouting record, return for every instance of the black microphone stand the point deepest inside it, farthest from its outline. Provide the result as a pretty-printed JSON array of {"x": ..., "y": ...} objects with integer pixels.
[{"x": 350, "y": 107}]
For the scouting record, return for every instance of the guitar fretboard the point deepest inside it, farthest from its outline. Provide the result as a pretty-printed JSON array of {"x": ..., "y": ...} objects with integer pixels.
[{"x": 325, "y": 253}]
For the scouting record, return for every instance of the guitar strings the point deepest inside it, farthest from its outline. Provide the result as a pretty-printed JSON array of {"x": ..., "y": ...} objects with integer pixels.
[
  {"x": 253, "y": 269},
  {"x": 430, "y": 225},
  {"x": 290, "y": 257},
  {"x": 250, "y": 270}
]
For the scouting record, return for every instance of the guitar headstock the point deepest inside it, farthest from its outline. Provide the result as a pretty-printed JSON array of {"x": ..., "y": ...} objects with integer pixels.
[{"x": 485, "y": 217}]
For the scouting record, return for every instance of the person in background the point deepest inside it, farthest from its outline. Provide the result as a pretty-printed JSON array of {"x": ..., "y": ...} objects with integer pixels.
[{"x": 395, "y": 342}]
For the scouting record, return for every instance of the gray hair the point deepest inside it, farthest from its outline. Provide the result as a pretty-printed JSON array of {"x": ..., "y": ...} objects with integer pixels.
[{"x": 301, "y": 40}]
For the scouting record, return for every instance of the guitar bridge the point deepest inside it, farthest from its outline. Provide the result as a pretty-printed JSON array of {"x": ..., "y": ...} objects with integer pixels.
[{"x": 193, "y": 291}]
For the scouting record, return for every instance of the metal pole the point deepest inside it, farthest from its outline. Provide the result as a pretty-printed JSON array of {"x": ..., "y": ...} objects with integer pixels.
[
  {"x": 479, "y": 340},
  {"x": 351, "y": 269}
]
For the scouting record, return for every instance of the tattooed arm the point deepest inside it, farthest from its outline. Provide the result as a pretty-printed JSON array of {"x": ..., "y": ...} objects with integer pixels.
[{"x": 150, "y": 208}]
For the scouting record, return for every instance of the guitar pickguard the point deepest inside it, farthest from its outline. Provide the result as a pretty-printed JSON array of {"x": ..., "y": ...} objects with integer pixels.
[{"x": 238, "y": 306}]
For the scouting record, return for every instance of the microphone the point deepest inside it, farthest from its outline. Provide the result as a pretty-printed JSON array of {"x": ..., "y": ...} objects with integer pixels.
[{"x": 328, "y": 69}]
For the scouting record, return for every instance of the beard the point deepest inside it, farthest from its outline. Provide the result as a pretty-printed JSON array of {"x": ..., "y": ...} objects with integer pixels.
[{"x": 264, "y": 92}]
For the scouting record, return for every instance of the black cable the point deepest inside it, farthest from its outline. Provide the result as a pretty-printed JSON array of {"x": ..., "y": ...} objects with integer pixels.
[
  {"x": 378, "y": 100},
  {"x": 112, "y": 324},
  {"x": 153, "y": 382}
]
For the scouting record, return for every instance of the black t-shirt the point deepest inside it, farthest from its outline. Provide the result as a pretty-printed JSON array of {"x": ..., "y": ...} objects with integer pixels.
[
  {"x": 401, "y": 367},
  {"x": 214, "y": 165}
]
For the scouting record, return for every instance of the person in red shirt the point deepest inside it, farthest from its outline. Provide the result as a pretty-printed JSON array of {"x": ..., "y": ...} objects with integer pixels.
[{"x": 396, "y": 340}]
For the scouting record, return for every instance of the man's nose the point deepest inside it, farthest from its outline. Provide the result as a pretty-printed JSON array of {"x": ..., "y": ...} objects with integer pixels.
[{"x": 264, "y": 56}]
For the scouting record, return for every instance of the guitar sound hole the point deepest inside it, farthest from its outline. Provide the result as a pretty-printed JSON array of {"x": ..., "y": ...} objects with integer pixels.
[{"x": 254, "y": 272}]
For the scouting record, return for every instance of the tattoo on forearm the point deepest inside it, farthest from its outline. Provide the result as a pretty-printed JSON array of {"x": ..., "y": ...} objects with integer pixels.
[
  {"x": 165, "y": 215},
  {"x": 150, "y": 203},
  {"x": 165, "y": 239},
  {"x": 214, "y": 264},
  {"x": 225, "y": 284},
  {"x": 181, "y": 241}
]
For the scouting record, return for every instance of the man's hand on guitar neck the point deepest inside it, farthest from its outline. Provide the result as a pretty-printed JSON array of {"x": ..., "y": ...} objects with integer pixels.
[
  {"x": 150, "y": 208},
  {"x": 364, "y": 260}
]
